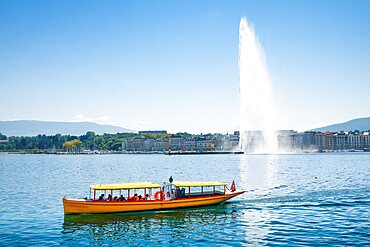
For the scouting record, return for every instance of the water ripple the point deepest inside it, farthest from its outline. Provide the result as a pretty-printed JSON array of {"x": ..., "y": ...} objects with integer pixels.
[{"x": 292, "y": 200}]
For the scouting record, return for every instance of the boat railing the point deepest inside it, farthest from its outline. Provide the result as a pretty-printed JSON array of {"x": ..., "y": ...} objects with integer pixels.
[{"x": 205, "y": 193}]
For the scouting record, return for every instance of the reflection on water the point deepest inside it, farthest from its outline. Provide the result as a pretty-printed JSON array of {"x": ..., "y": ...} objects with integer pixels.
[
  {"x": 158, "y": 227},
  {"x": 257, "y": 174}
]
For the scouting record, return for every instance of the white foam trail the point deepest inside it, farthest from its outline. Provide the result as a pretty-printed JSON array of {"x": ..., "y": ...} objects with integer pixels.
[{"x": 255, "y": 99}]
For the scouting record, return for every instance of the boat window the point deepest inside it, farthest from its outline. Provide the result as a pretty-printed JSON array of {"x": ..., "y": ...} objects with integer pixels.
[
  {"x": 196, "y": 191},
  {"x": 180, "y": 192},
  {"x": 126, "y": 194}
]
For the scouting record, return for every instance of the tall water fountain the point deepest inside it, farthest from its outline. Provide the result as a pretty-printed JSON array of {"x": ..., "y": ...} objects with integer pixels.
[{"x": 256, "y": 113}]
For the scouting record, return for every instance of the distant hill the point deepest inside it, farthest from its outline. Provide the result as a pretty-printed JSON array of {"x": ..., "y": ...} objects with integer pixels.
[
  {"x": 361, "y": 124},
  {"x": 33, "y": 127}
]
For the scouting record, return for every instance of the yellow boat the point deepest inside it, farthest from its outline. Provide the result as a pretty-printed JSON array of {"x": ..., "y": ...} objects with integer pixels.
[{"x": 126, "y": 197}]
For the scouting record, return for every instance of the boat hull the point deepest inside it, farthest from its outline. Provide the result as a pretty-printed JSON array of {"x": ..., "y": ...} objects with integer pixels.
[{"x": 77, "y": 206}]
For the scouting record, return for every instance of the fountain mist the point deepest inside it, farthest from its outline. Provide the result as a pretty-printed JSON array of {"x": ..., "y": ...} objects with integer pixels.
[{"x": 257, "y": 118}]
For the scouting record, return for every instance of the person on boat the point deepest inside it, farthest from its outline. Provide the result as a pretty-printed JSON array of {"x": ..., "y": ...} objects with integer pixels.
[
  {"x": 109, "y": 198},
  {"x": 147, "y": 197},
  {"x": 135, "y": 197},
  {"x": 140, "y": 198},
  {"x": 122, "y": 198},
  {"x": 102, "y": 197},
  {"x": 115, "y": 198}
]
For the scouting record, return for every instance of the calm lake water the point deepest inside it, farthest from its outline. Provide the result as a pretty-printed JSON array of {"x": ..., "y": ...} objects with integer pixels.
[{"x": 308, "y": 199}]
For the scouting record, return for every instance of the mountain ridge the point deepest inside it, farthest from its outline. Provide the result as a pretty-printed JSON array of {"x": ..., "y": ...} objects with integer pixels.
[
  {"x": 36, "y": 127},
  {"x": 360, "y": 124}
]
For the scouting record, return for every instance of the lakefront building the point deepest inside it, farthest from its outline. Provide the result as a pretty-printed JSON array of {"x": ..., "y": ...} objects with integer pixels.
[
  {"x": 288, "y": 140},
  {"x": 177, "y": 143},
  {"x": 161, "y": 145},
  {"x": 196, "y": 143},
  {"x": 325, "y": 141}
]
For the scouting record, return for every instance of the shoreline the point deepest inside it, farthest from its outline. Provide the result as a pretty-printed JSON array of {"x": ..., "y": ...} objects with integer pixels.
[{"x": 181, "y": 153}]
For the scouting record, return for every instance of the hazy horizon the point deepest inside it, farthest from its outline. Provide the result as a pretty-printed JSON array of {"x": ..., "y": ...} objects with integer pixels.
[{"x": 196, "y": 133}]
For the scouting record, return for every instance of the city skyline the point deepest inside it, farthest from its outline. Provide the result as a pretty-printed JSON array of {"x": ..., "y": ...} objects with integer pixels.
[{"x": 174, "y": 65}]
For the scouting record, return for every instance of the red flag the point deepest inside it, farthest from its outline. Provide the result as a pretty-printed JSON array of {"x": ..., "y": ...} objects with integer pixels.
[{"x": 233, "y": 188}]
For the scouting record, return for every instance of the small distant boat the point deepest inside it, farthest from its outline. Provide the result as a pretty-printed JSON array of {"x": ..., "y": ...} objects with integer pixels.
[{"x": 144, "y": 196}]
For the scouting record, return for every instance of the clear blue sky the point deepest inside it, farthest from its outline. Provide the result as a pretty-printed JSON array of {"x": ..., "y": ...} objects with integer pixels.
[{"x": 174, "y": 64}]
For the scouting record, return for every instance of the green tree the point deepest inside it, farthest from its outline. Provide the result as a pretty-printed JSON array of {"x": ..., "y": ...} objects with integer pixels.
[
  {"x": 154, "y": 136},
  {"x": 182, "y": 135},
  {"x": 3, "y": 137},
  {"x": 73, "y": 146},
  {"x": 100, "y": 143},
  {"x": 89, "y": 140}
]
